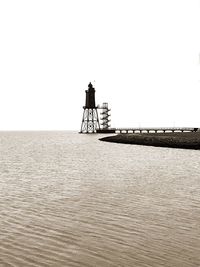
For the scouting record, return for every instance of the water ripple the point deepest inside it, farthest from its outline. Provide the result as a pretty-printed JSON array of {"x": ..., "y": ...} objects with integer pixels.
[{"x": 69, "y": 200}]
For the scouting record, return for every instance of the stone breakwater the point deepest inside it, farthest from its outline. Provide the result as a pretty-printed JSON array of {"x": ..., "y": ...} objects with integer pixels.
[{"x": 186, "y": 140}]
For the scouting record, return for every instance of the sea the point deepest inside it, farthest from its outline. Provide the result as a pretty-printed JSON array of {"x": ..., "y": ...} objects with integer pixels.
[{"x": 70, "y": 200}]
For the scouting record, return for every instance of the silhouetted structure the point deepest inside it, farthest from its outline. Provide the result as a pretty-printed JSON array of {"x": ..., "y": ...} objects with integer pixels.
[
  {"x": 105, "y": 116},
  {"x": 90, "y": 121}
]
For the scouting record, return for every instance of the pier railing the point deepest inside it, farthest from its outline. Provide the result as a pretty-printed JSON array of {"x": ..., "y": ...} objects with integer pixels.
[{"x": 156, "y": 130}]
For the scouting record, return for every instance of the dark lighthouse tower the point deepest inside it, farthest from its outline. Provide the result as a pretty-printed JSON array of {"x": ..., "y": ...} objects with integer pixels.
[{"x": 90, "y": 121}]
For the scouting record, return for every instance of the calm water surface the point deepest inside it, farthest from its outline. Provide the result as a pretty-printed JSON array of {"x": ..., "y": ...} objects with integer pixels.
[{"x": 70, "y": 200}]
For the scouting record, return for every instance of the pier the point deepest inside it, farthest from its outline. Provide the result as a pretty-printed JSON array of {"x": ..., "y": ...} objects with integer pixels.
[
  {"x": 148, "y": 130},
  {"x": 91, "y": 124}
]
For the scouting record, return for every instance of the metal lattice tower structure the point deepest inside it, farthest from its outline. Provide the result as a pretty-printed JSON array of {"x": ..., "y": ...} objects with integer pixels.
[
  {"x": 90, "y": 120},
  {"x": 105, "y": 116}
]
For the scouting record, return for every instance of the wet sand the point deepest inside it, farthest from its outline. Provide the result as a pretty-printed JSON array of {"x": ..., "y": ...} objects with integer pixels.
[{"x": 187, "y": 140}]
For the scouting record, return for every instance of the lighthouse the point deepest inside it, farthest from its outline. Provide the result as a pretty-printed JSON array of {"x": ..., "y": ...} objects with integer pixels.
[{"x": 90, "y": 120}]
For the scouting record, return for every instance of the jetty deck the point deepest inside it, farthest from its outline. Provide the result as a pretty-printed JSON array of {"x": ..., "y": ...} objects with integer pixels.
[{"x": 148, "y": 130}]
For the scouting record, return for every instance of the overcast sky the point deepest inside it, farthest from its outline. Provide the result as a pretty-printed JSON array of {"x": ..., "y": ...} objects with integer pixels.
[{"x": 142, "y": 54}]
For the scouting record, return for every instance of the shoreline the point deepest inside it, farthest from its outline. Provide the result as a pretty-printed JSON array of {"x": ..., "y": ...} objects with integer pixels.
[{"x": 186, "y": 140}]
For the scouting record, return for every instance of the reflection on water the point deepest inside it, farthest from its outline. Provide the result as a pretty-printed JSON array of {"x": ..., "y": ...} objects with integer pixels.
[{"x": 70, "y": 200}]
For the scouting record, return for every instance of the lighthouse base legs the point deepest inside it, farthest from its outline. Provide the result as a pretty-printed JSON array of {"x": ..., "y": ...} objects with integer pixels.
[{"x": 90, "y": 121}]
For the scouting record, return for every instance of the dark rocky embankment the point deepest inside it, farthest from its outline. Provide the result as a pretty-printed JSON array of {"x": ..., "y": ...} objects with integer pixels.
[{"x": 187, "y": 140}]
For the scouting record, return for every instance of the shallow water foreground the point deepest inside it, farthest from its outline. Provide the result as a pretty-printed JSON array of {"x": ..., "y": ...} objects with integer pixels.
[{"x": 70, "y": 200}]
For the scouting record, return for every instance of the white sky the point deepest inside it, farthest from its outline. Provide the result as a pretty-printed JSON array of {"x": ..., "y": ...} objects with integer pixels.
[{"x": 143, "y": 55}]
